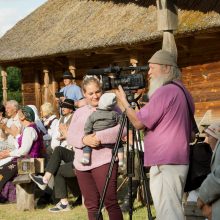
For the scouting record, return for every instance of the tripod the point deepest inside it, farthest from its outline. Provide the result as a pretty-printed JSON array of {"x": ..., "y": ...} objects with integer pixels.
[{"x": 130, "y": 168}]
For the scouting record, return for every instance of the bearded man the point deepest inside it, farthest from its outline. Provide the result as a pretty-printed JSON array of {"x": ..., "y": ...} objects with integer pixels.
[{"x": 168, "y": 127}]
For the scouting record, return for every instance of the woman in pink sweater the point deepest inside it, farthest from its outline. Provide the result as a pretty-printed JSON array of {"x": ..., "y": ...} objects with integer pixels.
[{"x": 92, "y": 177}]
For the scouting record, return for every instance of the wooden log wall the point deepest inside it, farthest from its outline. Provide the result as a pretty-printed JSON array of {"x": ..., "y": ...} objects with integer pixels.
[
  {"x": 38, "y": 85},
  {"x": 203, "y": 81},
  {"x": 28, "y": 86}
]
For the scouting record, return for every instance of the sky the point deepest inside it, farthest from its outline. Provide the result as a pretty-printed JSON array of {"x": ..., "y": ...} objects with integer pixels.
[{"x": 11, "y": 11}]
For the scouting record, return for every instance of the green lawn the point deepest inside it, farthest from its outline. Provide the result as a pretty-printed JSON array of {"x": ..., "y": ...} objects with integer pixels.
[{"x": 9, "y": 212}]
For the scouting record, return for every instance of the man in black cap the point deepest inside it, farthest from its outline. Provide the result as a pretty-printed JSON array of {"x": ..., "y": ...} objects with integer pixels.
[
  {"x": 70, "y": 90},
  {"x": 67, "y": 108}
]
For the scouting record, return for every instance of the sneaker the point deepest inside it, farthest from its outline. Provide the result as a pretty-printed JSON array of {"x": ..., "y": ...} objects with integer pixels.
[
  {"x": 120, "y": 163},
  {"x": 60, "y": 208},
  {"x": 85, "y": 161},
  {"x": 39, "y": 181},
  {"x": 77, "y": 202}
]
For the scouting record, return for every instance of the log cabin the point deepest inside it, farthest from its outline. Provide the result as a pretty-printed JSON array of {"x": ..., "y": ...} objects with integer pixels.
[{"x": 82, "y": 34}]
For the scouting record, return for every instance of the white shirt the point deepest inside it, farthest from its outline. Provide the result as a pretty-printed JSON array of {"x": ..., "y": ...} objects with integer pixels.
[
  {"x": 29, "y": 136},
  {"x": 11, "y": 140},
  {"x": 55, "y": 142},
  {"x": 51, "y": 132}
]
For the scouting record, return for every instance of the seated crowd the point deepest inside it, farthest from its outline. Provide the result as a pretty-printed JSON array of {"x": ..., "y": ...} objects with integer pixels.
[
  {"x": 61, "y": 141},
  {"x": 77, "y": 147}
]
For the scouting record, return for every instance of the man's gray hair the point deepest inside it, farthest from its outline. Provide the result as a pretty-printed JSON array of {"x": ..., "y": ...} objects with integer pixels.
[
  {"x": 174, "y": 74},
  {"x": 13, "y": 103}
]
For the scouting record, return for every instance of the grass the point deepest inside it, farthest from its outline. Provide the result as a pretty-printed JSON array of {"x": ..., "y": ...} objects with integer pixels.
[{"x": 9, "y": 212}]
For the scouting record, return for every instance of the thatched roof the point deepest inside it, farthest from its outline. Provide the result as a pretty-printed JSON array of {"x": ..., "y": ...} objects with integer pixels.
[{"x": 72, "y": 26}]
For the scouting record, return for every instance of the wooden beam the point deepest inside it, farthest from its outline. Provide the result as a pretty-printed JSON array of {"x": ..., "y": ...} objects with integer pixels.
[
  {"x": 167, "y": 22},
  {"x": 54, "y": 89},
  {"x": 167, "y": 15},
  {"x": 37, "y": 90},
  {"x": 133, "y": 62},
  {"x": 46, "y": 84},
  {"x": 169, "y": 43},
  {"x": 4, "y": 84}
]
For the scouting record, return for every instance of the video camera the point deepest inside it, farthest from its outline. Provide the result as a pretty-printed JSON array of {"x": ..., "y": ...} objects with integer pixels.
[
  {"x": 59, "y": 94},
  {"x": 127, "y": 81}
]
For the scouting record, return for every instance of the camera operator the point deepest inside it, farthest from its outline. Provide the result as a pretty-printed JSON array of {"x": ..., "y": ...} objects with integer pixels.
[
  {"x": 70, "y": 91},
  {"x": 167, "y": 125}
]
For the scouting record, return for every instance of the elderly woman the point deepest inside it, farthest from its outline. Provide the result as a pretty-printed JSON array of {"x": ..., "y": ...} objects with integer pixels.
[
  {"x": 29, "y": 145},
  {"x": 50, "y": 122},
  {"x": 38, "y": 121},
  {"x": 209, "y": 192}
]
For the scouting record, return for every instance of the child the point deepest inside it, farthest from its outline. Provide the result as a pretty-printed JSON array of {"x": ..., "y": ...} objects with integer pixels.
[{"x": 104, "y": 117}]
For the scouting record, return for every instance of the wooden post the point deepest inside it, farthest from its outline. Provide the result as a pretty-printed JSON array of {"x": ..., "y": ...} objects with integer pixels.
[
  {"x": 22, "y": 84},
  {"x": 167, "y": 12},
  {"x": 54, "y": 89},
  {"x": 37, "y": 90},
  {"x": 169, "y": 43},
  {"x": 4, "y": 85},
  {"x": 133, "y": 62},
  {"x": 72, "y": 67},
  {"x": 167, "y": 15},
  {"x": 46, "y": 84},
  {"x": 25, "y": 196}
]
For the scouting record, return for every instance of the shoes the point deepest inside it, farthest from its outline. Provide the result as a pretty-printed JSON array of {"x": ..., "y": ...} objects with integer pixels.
[
  {"x": 125, "y": 205},
  {"x": 120, "y": 163},
  {"x": 39, "y": 181},
  {"x": 60, "y": 208},
  {"x": 85, "y": 161},
  {"x": 77, "y": 202}
]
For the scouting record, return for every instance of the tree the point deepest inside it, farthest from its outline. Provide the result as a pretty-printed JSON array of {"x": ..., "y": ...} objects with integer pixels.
[{"x": 13, "y": 84}]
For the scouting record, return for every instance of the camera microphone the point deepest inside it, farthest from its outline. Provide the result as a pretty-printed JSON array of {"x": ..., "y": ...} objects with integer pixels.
[
  {"x": 101, "y": 71},
  {"x": 137, "y": 68}
]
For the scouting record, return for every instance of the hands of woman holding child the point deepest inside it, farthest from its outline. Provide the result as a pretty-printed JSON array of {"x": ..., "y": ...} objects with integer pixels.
[{"x": 91, "y": 140}]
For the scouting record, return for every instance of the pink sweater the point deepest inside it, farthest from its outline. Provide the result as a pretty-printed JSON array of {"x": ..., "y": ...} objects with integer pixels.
[{"x": 99, "y": 156}]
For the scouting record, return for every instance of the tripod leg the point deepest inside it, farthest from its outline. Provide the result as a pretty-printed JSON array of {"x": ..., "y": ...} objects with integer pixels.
[
  {"x": 115, "y": 151},
  {"x": 143, "y": 177}
]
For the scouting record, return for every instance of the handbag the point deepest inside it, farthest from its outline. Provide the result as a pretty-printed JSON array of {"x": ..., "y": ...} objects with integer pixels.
[{"x": 200, "y": 155}]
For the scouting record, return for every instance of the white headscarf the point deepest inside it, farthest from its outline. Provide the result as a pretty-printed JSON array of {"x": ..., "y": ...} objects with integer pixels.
[{"x": 37, "y": 121}]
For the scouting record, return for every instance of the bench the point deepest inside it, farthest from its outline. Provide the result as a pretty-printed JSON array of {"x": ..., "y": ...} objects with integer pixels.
[
  {"x": 24, "y": 185},
  {"x": 192, "y": 212}
]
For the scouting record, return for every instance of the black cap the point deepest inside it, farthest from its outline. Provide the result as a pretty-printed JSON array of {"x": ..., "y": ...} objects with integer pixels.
[
  {"x": 68, "y": 103},
  {"x": 67, "y": 75}
]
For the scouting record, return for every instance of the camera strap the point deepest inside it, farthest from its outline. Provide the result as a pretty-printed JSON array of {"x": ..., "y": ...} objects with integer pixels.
[{"x": 194, "y": 125}]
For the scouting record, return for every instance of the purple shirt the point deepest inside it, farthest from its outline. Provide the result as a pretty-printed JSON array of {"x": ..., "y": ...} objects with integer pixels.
[
  {"x": 35, "y": 149},
  {"x": 168, "y": 124}
]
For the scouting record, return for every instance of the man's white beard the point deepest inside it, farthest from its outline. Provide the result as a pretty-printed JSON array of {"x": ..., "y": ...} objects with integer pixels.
[{"x": 156, "y": 84}]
